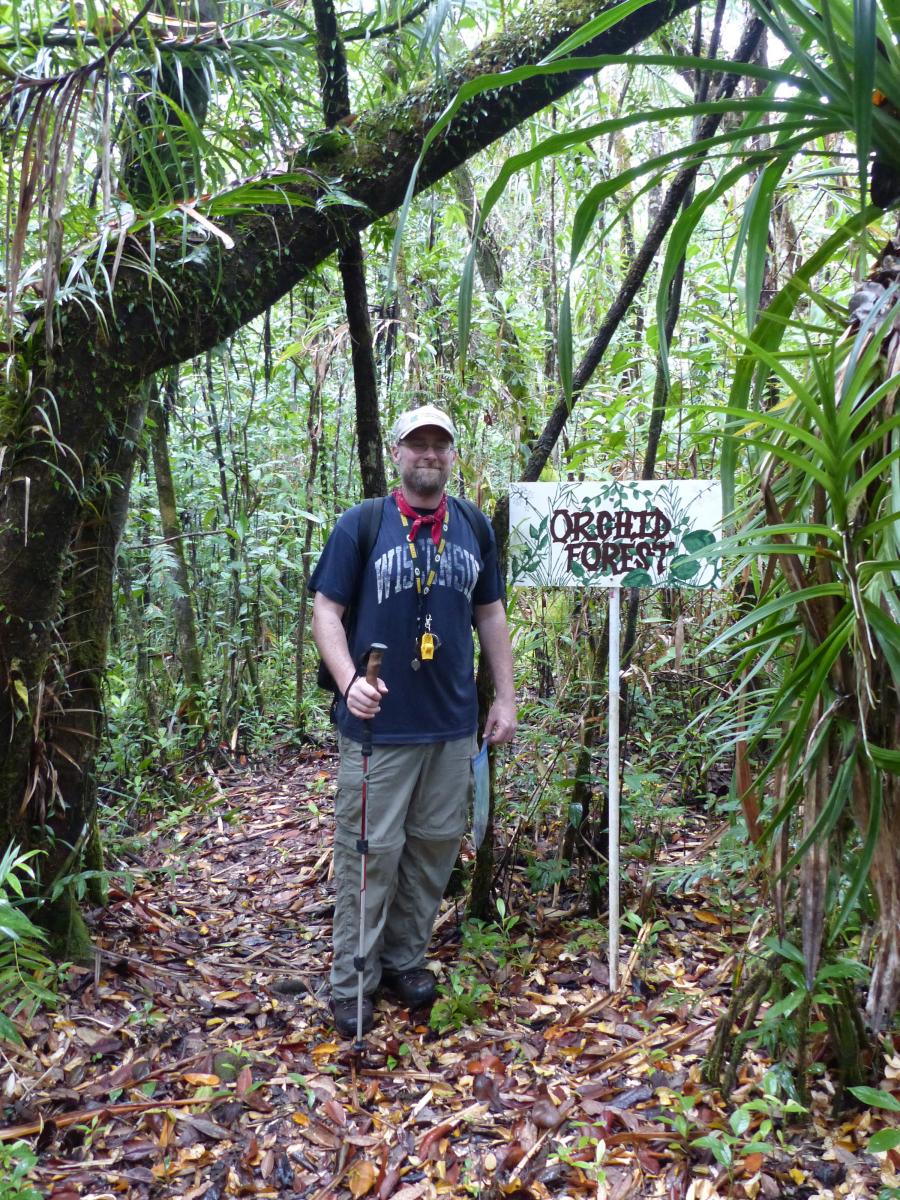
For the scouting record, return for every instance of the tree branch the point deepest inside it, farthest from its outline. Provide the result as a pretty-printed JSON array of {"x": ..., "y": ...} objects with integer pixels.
[
  {"x": 194, "y": 300},
  {"x": 352, "y": 263},
  {"x": 668, "y": 211},
  {"x": 360, "y": 31}
]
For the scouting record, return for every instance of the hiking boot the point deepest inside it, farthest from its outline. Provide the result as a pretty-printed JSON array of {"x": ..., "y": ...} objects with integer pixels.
[
  {"x": 415, "y": 988},
  {"x": 344, "y": 1010}
]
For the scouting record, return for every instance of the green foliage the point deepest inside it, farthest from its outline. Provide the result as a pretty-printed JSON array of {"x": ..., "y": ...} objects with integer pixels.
[
  {"x": 472, "y": 88},
  {"x": 493, "y": 941},
  {"x": 588, "y": 935},
  {"x": 889, "y": 1137},
  {"x": 546, "y": 874},
  {"x": 585, "y": 1152},
  {"x": 148, "y": 111},
  {"x": 459, "y": 1002},
  {"x": 755, "y": 1126},
  {"x": 17, "y": 1162},
  {"x": 25, "y": 969},
  {"x": 136, "y": 761},
  {"x": 875, "y": 1098},
  {"x": 825, "y": 502},
  {"x": 883, "y": 1140},
  {"x": 790, "y": 992}
]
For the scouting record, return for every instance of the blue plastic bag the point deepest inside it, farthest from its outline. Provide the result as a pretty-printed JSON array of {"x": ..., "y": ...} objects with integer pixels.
[{"x": 481, "y": 769}]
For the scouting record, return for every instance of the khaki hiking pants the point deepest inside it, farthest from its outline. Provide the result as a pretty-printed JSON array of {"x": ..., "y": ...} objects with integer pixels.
[{"x": 418, "y": 799}]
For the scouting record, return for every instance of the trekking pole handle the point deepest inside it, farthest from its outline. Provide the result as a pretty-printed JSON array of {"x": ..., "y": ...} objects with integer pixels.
[
  {"x": 373, "y": 666},
  {"x": 373, "y": 662}
]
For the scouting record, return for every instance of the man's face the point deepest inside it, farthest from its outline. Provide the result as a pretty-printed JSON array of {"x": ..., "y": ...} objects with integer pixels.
[{"x": 425, "y": 459}]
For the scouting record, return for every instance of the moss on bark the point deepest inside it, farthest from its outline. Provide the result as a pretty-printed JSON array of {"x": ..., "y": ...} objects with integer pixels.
[
  {"x": 70, "y": 940},
  {"x": 97, "y": 891}
]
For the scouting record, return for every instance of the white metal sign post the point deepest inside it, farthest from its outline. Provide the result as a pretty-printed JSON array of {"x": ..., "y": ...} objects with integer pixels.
[
  {"x": 614, "y": 535},
  {"x": 615, "y": 625}
]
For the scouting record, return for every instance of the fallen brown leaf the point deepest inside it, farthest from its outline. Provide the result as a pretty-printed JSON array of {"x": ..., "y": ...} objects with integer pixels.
[{"x": 361, "y": 1177}]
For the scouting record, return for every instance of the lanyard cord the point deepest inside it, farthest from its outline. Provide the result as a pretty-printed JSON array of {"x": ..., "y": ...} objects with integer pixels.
[{"x": 422, "y": 589}]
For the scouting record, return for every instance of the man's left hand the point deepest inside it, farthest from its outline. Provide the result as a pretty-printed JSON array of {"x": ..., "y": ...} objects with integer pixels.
[{"x": 500, "y": 725}]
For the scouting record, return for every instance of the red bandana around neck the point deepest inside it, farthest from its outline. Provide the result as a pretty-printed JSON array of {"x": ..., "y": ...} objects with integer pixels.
[{"x": 435, "y": 519}]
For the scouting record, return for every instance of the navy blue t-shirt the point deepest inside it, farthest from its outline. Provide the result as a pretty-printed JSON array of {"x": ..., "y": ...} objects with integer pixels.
[{"x": 437, "y": 702}]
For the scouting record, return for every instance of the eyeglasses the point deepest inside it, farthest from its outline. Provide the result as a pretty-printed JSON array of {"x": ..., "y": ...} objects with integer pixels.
[{"x": 422, "y": 445}]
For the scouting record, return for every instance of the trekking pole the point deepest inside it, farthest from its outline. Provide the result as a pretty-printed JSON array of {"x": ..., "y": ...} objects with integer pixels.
[{"x": 373, "y": 666}]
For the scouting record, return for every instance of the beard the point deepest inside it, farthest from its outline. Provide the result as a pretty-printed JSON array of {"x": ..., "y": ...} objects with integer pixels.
[{"x": 426, "y": 481}]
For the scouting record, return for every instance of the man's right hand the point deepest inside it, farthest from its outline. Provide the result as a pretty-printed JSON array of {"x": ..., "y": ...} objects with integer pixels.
[{"x": 364, "y": 700}]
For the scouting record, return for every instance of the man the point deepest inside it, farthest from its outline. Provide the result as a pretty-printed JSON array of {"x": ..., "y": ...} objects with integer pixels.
[{"x": 424, "y": 584}]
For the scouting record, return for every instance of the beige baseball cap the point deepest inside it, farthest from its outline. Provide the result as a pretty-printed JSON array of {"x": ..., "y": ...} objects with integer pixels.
[{"x": 418, "y": 418}]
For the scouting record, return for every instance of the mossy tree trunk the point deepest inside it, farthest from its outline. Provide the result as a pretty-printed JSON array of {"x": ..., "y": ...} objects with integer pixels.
[
  {"x": 883, "y": 996},
  {"x": 71, "y": 715},
  {"x": 189, "y": 655}
]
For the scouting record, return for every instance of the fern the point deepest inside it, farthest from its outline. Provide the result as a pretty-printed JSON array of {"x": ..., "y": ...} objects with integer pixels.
[{"x": 23, "y": 962}]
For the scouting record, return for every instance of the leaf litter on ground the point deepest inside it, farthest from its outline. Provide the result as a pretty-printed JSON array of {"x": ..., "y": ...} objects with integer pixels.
[{"x": 198, "y": 1059}]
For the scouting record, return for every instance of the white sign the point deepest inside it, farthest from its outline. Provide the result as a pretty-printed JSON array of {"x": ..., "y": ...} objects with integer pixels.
[{"x": 615, "y": 534}]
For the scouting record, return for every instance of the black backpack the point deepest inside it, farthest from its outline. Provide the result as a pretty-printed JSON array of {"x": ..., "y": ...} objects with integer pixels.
[{"x": 369, "y": 525}]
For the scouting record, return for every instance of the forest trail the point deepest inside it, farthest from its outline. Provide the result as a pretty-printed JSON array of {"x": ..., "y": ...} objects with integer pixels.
[{"x": 193, "y": 1064}]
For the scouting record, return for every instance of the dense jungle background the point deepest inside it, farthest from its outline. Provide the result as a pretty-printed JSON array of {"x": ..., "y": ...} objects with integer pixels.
[{"x": 650, "y": 239}]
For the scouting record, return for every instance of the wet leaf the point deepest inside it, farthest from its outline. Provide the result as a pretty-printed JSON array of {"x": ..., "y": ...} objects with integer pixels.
[
  {"x": 883, "y": 1140},
  {"x": 547, "y": 1115},
  {"x": 335, "y": 1110},
  {"x": 484, "y": 1087},
  {"x": 361, "y": 1177}
]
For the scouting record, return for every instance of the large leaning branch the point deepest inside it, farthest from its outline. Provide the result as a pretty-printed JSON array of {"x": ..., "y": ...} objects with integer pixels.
[{"x": 204, "y": 296}]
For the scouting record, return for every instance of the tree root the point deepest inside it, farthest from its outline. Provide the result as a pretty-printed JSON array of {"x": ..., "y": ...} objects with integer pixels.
[
  {"x": 849, "y": 1043},
  {"x": 727, "y": 1038}
]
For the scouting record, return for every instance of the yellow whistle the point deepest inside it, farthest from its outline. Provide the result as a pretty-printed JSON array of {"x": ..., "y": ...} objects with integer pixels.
[{"x": 427, "y": 647}]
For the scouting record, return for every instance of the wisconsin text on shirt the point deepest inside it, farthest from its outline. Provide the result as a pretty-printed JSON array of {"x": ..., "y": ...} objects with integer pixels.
[{"x": 395, "y": 570}]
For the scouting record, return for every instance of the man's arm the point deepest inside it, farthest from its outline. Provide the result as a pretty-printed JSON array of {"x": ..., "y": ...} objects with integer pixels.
[
  {"x": 363, "y": 700},
  {"x": 493, "y": 634}
]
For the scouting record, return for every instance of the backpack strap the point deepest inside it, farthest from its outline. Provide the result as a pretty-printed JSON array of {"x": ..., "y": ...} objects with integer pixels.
[
  {"x": 479, "y": 523},
  {"x": 369, "y": 524}
]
